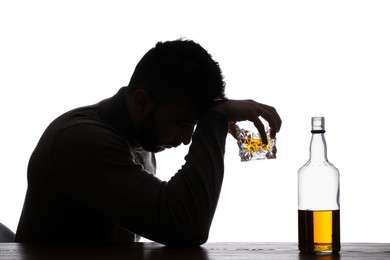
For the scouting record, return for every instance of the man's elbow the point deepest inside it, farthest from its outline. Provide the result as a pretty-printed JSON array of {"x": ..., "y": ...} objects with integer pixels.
[{"x": 198, "y": 238}]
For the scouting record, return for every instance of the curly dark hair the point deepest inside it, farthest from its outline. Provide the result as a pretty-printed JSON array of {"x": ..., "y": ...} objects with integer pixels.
[{"x": 180, "y": 68}]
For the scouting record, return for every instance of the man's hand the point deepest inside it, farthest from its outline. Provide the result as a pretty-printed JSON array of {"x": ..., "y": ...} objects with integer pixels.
[{"x": 241, "y": 110}]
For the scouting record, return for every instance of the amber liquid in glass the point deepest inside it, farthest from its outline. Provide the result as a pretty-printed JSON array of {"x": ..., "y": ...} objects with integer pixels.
[
  {"x": 319, "y": 231},
  {"x": 254, "y": 144}
]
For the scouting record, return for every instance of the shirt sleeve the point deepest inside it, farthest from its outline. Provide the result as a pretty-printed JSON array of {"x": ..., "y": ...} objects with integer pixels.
[{"x": 97, "y": 168}]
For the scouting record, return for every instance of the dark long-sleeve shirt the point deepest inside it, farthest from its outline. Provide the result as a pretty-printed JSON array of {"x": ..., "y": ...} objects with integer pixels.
[{"x": 89, "y": 181}]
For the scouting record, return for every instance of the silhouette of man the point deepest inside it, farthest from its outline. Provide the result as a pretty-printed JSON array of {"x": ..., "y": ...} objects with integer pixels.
[{"x": 91, "y": 177}]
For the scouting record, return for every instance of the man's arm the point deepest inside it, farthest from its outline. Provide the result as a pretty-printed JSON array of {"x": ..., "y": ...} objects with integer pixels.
[{"x": 97, "y": 169}]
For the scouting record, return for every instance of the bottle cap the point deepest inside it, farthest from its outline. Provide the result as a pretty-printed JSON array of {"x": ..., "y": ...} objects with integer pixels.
[{"x": 318, "y": 124}]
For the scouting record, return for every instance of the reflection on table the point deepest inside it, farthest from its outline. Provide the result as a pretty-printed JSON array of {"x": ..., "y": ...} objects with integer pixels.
[{"x": 209, "y": 251}]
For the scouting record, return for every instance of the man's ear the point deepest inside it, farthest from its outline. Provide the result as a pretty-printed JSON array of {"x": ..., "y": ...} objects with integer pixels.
[{"x": 143, "y": 102}]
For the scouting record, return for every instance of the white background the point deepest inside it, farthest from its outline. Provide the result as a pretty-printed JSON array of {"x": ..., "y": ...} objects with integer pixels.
[{"x": 306, "y": 58}]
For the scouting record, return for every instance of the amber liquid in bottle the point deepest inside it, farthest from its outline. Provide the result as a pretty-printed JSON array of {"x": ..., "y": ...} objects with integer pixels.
[{"x": 319, "y": 231}]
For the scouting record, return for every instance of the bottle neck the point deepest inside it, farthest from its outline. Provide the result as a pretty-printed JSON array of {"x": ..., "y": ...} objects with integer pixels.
[{"x": 318, "y": 147}]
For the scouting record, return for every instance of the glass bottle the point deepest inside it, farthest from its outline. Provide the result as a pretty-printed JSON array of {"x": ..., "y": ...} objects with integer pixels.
[{"x": 318, "y": 198}]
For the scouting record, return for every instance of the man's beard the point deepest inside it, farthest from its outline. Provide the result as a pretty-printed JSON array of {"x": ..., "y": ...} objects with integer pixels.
[{"x": 148, "y": 135}]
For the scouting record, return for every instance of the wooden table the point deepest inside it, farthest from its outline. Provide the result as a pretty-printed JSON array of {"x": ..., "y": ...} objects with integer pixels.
[{"x": 209, "y": 251}]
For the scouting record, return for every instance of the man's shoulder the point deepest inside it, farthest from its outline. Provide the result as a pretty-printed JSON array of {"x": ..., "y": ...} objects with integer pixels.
[
  {"x": 84, "y": 124},
  {"x": 88, "y": 115}
]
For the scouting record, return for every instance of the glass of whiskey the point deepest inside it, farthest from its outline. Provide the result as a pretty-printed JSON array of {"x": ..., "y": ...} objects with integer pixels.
[{"x": 250, "y": 144}]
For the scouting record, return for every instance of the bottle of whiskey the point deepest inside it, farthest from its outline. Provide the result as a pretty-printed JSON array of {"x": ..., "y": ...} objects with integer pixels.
[{"x": 318, "y": 198}]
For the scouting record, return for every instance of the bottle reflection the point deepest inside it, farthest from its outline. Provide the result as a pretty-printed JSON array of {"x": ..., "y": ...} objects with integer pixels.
[{"x": 304, "y": 256}]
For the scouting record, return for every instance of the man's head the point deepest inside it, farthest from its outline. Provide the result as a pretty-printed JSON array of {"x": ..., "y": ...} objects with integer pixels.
[
  {"x": 176, "y": 69},
  {"x": 171, "y": 87}
]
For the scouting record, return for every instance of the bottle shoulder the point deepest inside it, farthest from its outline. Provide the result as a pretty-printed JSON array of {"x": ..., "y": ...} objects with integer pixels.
[
  {"x": 312, "y": 163},
  {"x": 319, "y": 167}
]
